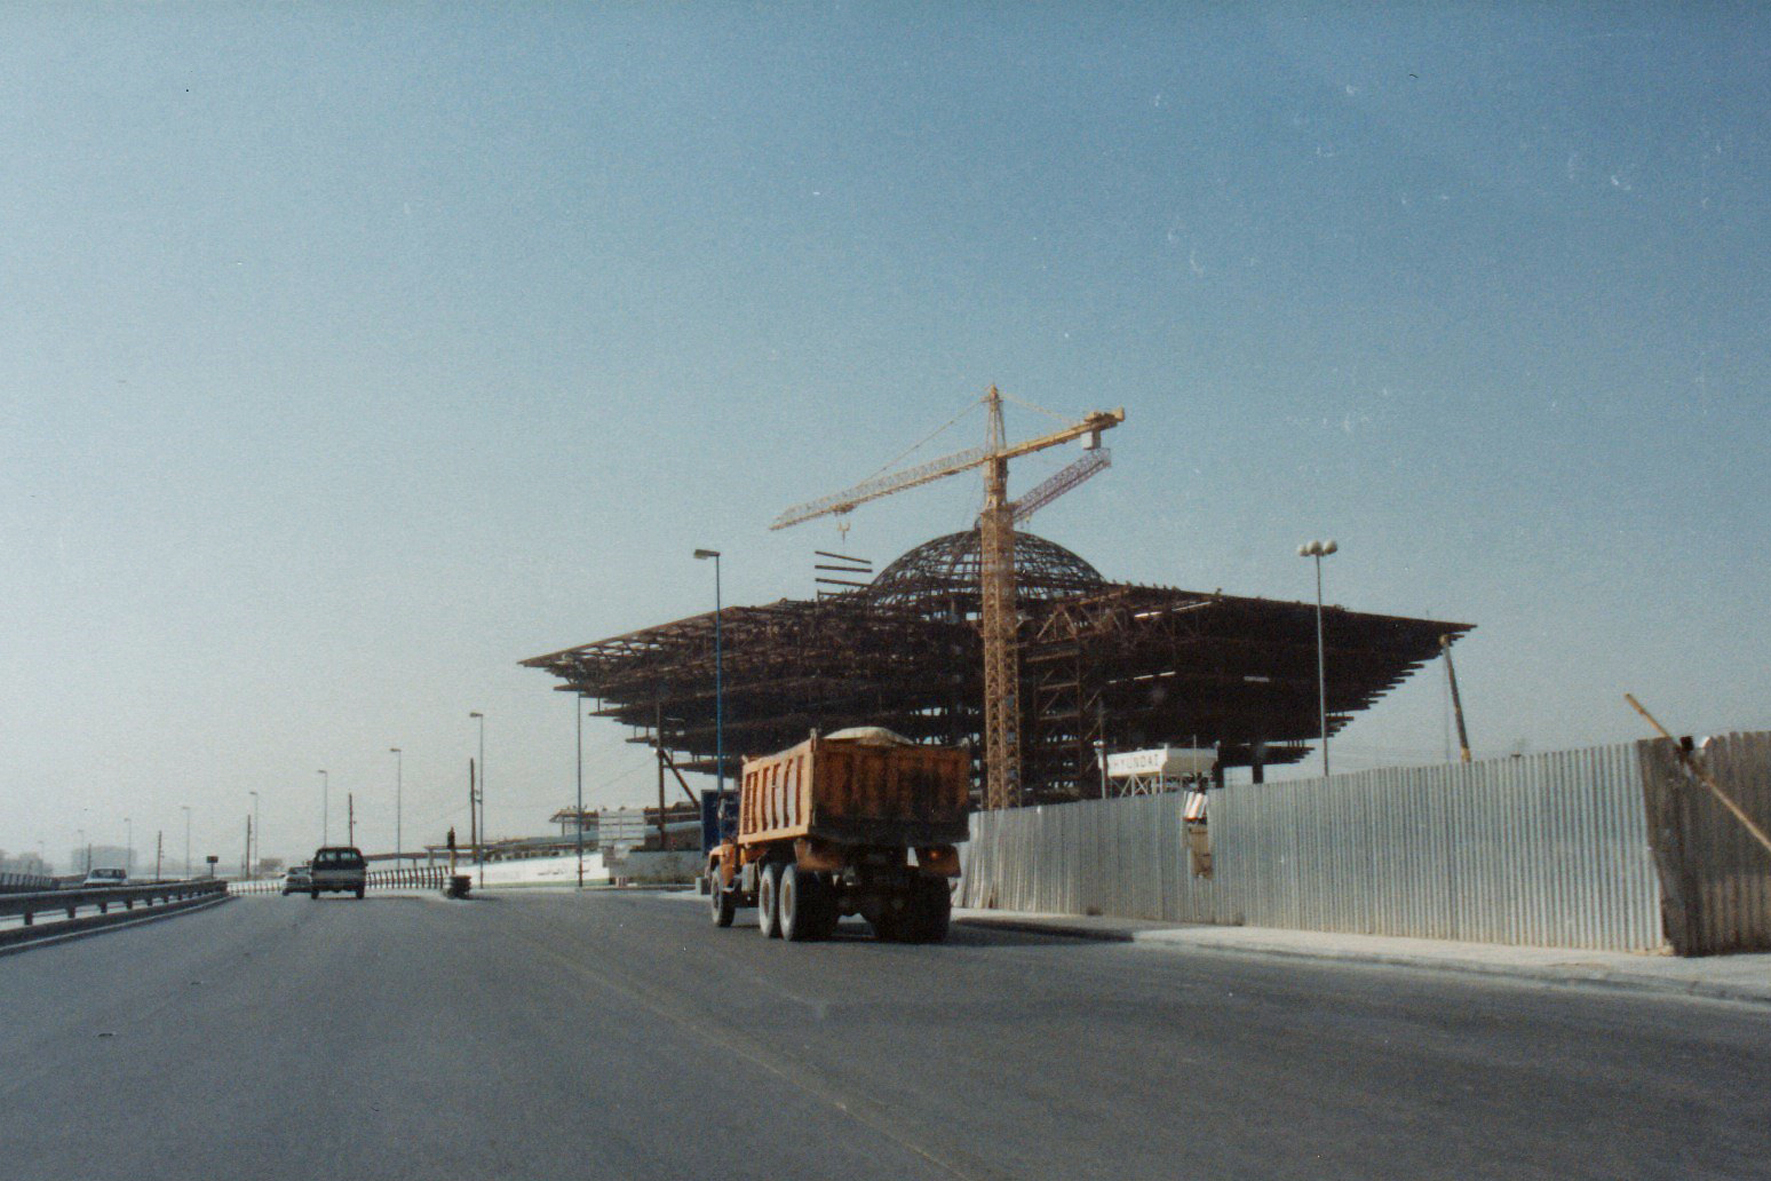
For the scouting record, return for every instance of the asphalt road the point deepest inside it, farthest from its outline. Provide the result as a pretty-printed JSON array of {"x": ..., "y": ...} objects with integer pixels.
[{"x": 620, "y": 1036}]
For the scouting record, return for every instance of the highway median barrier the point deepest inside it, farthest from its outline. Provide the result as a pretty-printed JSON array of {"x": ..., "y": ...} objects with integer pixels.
[{"x": 107, "y": 907}]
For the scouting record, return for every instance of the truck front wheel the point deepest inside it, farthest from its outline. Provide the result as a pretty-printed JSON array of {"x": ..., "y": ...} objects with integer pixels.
[
  {"x": 768, "y": 897},
  {"x": 723, "y": 902}
]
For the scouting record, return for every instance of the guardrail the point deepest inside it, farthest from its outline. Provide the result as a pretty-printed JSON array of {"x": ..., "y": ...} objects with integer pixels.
[
  {"x": 25, "y": 883},
  {"x": 162, "y": 896},
  {"x": 433, "y": 877}
]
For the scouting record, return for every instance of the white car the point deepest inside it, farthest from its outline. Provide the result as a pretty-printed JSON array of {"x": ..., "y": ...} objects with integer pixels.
[{"x": 104, "y": 879}]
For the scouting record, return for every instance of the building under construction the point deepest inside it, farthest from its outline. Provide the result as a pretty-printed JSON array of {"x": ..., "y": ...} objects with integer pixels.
[{"x": 1102, "y": 666}]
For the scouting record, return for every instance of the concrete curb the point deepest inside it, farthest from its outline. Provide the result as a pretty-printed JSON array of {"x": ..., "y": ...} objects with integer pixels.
[
  {"x": 1518, "y": 973},
  {"x": 1058, "y": 929},
  {"x": 1171, "y": 938}
]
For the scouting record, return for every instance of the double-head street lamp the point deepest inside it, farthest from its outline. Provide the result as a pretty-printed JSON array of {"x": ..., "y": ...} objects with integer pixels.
[
  {"x": 719, "y": 689},
  {"x": 1320, "y": 550}
]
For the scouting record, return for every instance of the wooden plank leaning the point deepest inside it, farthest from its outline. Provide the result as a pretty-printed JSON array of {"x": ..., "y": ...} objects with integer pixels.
[{"x": 1703, "y": 777}]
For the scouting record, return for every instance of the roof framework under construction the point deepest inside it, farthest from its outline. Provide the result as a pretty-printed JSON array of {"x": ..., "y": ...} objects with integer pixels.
[{"x": 1115, "y": 664}]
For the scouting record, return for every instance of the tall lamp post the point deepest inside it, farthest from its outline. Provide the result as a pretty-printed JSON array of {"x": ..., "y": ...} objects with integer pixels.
[
  {"x": 255, "y": 851},
  {"x": 399, "y": 787},
  {"x": 325, "y": 807},
  {"x": 129, "y": 846},
  {"x": 482, "y": 796},
  {"x": 578, "y": 716},
  {"x": 186, "y": 809},
  {"x": 719, "y": 690},
  {"x": 1320, "y": 550}
]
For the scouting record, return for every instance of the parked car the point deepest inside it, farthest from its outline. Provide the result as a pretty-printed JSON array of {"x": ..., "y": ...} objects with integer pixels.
[
  {"x": 103, "y": 879},
  {"x": 296, "y": 881},
  {"x": 339, "y": 868}
]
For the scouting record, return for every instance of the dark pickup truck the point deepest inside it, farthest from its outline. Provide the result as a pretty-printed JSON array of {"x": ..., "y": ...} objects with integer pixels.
[{"x": 338, "y": 868}]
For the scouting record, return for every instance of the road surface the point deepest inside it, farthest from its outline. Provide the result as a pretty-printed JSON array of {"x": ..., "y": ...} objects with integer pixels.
[{"x": 618, "y": 1035}]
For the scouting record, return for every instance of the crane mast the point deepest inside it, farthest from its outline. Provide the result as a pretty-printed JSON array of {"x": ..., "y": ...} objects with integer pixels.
[
  {"x": 999, "y": 617},
  {"x": 999, "y": 624}
]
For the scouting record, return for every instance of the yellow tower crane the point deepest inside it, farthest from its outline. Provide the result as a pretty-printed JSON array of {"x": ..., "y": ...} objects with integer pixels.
[{"x": 1000, "y": 618}]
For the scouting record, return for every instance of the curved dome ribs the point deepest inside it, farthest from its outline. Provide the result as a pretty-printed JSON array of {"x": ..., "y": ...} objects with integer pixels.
[{"x": 941, "y": 578}]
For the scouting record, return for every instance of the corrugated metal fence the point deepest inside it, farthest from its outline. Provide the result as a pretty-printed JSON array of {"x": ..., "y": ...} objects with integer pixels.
[{"x": 1548, "y": 850}]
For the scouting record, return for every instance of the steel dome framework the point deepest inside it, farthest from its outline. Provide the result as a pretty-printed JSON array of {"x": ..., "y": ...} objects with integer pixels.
[{"x": 1101, "y": 662}]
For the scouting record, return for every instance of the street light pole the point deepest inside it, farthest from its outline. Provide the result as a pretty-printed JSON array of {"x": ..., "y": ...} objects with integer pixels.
[
  {"x": 186, "y": 809},
  {"x": 129, "y": 846},
  {"x": 1320, "y": 550},
  {"x": 578, "y": 715},
  {"x": 325, "y": 807},
  {"x": 255, "y": 854},
  {"x": 399, "y": 784},
  {"x": 481, "y": 792},
  {"x": 719, "y": 689}
]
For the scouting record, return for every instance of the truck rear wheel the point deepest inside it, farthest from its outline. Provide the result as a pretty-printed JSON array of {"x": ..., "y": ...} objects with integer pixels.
[
  {"x": 722, "y": 903},
  {"x": 933, "y": 910},
  {"x": 829, "y": 909},
  {"x": 768, "y": 897},
  {"x": 800, "y": 904}
]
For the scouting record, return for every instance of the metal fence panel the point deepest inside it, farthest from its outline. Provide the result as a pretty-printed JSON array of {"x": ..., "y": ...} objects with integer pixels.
[{"x": 1548, "y": 850}]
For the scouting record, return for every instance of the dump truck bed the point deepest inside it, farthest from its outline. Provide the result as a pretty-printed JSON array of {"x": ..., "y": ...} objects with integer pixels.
[{"x": 856, "y": 793}]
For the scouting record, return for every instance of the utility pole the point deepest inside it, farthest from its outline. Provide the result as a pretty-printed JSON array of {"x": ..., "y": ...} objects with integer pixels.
[{"x": 399, "y": 782}]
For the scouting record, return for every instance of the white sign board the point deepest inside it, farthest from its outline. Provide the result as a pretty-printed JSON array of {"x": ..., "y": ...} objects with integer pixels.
[{"x": 1165, "y": 762}]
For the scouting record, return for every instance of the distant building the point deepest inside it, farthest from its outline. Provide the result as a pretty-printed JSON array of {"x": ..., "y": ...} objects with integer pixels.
[
  {"x": 84, "y": 858},
  {"x": 28, "y": 864},
  {"x": 571, "y": 820}
]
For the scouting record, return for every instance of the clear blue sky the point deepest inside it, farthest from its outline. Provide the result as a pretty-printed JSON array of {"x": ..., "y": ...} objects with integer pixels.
[{"x": 350, "y": 354}]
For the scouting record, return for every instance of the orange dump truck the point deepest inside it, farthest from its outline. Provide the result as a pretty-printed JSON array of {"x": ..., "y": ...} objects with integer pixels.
[{"x": 860, "y": 822}]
